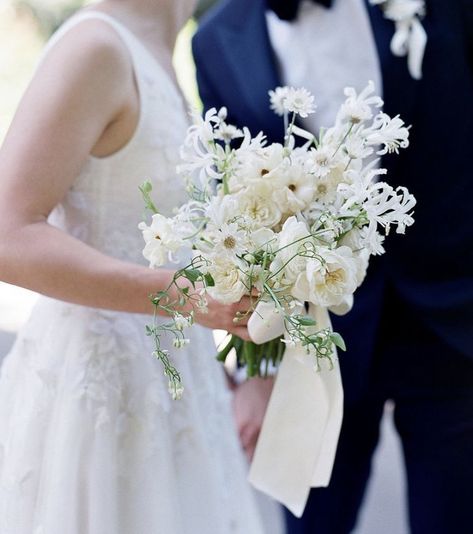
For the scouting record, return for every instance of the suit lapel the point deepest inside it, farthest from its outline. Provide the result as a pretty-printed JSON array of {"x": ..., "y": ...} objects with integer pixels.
[
  {"x": 244, "y": 41},
  {"x": 246, "y": 46}
]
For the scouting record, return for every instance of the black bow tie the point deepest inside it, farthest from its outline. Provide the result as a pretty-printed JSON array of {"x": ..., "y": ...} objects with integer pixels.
[{"x": 287, "y": 9}]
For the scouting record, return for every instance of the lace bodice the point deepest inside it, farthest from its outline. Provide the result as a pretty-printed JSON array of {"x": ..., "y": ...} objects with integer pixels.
[{"x": 104, "y": 205}]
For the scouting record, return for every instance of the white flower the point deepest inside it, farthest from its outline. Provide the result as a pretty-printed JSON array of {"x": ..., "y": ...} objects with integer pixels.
[
  {"x": 222, "y": 209},
  {"x": 229, "y": 239},
  {"x": 180, "y": 342},
  {"x": 322, "y": 159},
  {"x": 228, "y": 132},
  {"x": 328, "y": 279},
  {"x": 392, "y": 133},
  {"x": 358, "y": 108},
  {"x": 300, "y": 101},
  {"x": 162, "y": 240},
  {"x": 372, "y": 240},
  {"x": 200, "y": 154},
  {"x": 278, "y": 100},
  {"x": 181, "y": 322},
  {"x": 290, "y": 100},
  {"x": 267, "y": 163},
  {"x": 263, "y": 238},
  {"x": 227, "y": 276},
  {"x": 256, "y": 204},
  {"x": 356, "y": 147},
  {"x": 295, "y": 241},
  {"x": 326, "y": 187},
  {"x": 294, "y": 189},
  {"x": 176, "y": 391}
]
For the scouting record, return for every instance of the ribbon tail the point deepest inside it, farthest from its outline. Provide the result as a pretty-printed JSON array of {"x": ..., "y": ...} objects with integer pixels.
[{"x": 298, "y": 440}]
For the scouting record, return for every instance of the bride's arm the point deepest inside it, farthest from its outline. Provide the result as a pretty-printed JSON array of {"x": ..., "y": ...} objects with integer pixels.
[{"x": 84, "y": 86}]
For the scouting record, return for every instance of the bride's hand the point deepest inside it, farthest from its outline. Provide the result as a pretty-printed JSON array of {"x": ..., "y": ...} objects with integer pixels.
[{"x": 230, "y": 317}]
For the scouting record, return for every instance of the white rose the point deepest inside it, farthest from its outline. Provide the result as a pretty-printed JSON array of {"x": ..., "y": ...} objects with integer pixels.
[
  {"x": 229, "y": 287},
  {"x": 291, "y": 243},
  {"x": 353, "y": 239},
  {"x": 361, "y": 260},
  {"x": 162, "y": 240},
  {"x": 256, "y": 204},
  {"x": 328, "y": 281},
  {"x": 263, "y": 238}
]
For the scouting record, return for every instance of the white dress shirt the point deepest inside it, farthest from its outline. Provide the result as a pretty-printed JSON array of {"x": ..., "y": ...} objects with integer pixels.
[{"x": 326, "y": 50}]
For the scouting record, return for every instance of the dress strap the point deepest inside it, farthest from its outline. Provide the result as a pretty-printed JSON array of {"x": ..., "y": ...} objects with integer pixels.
[
  {"x": 132, "y": 43},
  {"x": 142, "y": 62}
]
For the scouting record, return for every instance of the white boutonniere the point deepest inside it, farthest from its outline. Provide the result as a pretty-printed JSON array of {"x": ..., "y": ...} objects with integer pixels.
[{"x": 410, "y": 38}]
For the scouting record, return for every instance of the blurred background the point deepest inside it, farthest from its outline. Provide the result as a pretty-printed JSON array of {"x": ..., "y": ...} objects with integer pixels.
[{"x": 25, "y": 25}]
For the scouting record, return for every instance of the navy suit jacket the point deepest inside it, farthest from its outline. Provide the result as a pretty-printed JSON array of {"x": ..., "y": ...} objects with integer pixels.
[{"x": 431, "y": 267}]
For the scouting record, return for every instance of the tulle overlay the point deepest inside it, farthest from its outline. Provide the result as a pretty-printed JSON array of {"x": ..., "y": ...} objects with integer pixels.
[
  {"x": 94, "y": 443},
  {"x": 90, "y": 441}
]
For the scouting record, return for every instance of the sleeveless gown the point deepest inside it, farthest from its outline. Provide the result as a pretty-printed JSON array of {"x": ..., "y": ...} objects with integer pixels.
[{"x": 90, "y": 441}]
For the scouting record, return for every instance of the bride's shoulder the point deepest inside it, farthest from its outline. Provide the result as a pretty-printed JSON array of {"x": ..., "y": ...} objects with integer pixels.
[
  {"x": 87, "y": 46},
  {"x": 85, "y": 56}
]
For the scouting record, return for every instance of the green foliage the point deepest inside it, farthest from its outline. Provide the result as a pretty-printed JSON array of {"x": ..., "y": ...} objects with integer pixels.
[{"x": 146, "y": 189}]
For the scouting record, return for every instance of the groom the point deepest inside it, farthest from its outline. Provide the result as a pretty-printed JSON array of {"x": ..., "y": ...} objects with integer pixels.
[{"x": 410, "y": 334}]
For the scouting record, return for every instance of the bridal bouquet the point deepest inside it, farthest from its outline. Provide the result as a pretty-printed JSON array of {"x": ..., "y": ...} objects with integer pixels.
[{"x": 288, "y": 224}]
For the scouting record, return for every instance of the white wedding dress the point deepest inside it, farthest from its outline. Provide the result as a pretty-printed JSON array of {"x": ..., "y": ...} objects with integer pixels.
[{"x": 90, "y": 441}]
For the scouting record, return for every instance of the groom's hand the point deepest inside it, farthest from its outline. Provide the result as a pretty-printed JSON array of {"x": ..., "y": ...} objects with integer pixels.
[{"x": 250, "y": 401}]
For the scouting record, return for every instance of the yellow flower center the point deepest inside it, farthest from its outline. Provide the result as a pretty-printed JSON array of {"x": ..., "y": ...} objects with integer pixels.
[
  {"x": 334, "y": 277},
  {"x": 229, "y": 242}
]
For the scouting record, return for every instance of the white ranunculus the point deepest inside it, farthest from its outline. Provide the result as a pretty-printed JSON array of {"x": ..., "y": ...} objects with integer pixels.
[
  {"x": 229, "y": 287},
  {"x": 162, "y": 240},
  {"x": 328, "y": 281}
]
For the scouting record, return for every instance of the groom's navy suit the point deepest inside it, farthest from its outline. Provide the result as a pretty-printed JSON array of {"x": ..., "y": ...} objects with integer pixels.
[{"x": 410, "y": 334}]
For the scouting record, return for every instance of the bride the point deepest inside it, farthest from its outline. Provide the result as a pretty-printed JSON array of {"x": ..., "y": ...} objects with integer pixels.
[{"x": 90, "y": 442}]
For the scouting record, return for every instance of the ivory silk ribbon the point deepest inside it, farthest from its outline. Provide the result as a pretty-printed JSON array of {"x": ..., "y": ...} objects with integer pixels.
[
  {"x": 410, "y": 39},
  {"x": 298, "y": 440}
]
